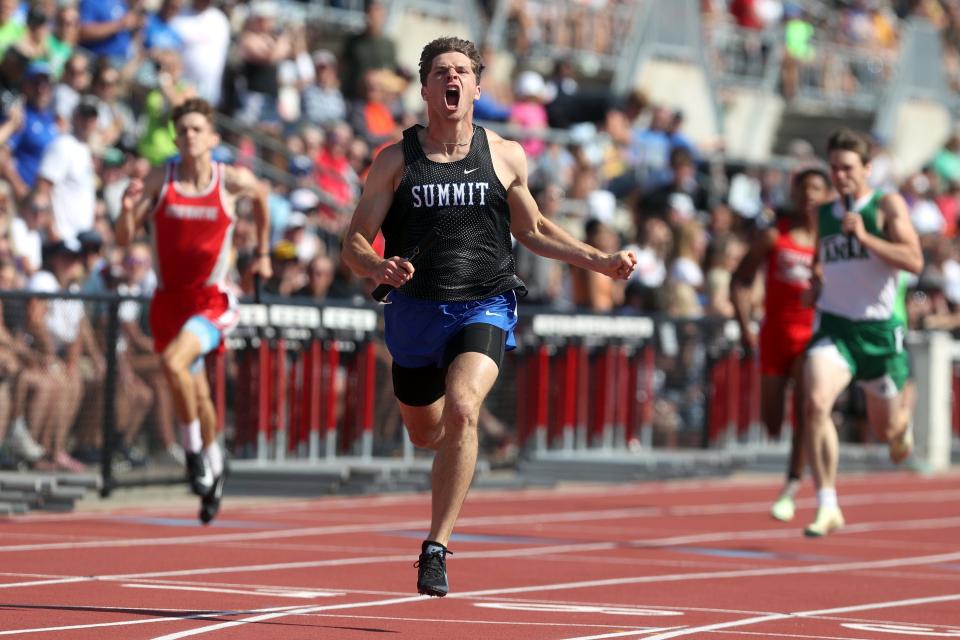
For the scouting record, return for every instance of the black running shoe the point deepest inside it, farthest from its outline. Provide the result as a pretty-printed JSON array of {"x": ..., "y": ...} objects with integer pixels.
[
  {"x": 210, "y": 503},
  {"x": 200, "y": 477},
  {"x": 432, "y": 575}
]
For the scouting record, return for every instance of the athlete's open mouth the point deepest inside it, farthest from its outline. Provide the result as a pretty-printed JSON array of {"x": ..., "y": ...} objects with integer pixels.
[{"x": 452, "y": 97}]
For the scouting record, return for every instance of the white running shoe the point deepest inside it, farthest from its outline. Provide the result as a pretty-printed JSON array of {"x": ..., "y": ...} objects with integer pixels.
[
  {"x": 21, "y": 443},
  {"x": 828, "y": 519},
  {"x": 783, "y": 509}
]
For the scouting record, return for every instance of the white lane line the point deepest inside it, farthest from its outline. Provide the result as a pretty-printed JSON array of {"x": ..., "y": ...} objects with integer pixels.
[
  {"x": 848, "y": 566},
  {"x": 127, "y": 623},
  {"x": 300, "y": 594},
  {"x": 283, "y": 614},
  {"x": 477, "y": 521},
  {"x": 761, "y": 534},
  {"x": 909, "y": 602},
  {"x": 620, "y": 634},
  {"x": 717, "y": 575}
]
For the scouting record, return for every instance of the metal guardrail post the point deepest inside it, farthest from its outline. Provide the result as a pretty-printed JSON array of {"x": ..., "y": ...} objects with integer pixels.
[{"x": 109, "y": 400}]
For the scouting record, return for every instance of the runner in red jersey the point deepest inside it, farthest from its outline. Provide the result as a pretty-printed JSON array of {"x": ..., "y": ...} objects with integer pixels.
[
  {"x": 788, "y": 253},
  {"x": 188, "y": 207}
]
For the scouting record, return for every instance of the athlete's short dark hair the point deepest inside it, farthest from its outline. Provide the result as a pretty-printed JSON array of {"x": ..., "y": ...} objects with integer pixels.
[
  {"x": 446, "y": 45},
  {"x": 850, "y": 140},
  {"x": 193, "y": 105}
]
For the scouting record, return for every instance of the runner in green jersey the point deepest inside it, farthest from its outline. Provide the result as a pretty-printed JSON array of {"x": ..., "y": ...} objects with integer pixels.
[{"x": 864, "y": 240}]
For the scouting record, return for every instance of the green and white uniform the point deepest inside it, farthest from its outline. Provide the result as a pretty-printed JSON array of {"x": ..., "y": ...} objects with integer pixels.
[{"x": 861, "y": 311}]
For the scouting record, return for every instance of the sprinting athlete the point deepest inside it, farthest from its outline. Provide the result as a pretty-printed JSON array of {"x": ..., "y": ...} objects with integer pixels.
[
  {"x": 787, "y": 250},
  {"x": 865, "y": 239},
  {"x": 189, "y": 208},
  {"x": 450, "y": 322}
]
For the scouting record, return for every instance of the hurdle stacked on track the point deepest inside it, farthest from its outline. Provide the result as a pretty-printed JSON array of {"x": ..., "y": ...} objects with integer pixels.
[
  {"x": 584, "y": 381},
  {"x": 291, "y": 397}
]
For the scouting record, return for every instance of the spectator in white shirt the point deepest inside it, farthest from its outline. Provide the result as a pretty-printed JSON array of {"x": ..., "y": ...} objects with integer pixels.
[
  {"x": 67, "y": 175},
  {"x": 206, "y": 36}
]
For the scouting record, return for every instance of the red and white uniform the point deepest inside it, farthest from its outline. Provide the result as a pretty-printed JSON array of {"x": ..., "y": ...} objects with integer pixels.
[
  {"x": 192, "y": 236},
  {"x": 787, "y": 323}
]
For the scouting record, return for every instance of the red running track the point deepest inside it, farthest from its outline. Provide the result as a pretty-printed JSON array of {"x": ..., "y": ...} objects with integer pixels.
[{"x": 653, "y": 561}]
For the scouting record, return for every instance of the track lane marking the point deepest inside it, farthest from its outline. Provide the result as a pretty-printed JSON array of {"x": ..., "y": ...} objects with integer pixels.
[
  {"x": 908, "y": 602},
  {"x": 476, "y": 521}
]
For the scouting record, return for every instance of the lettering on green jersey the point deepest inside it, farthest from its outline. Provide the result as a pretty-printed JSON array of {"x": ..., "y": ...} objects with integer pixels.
[{"x": 843, "y": 249}]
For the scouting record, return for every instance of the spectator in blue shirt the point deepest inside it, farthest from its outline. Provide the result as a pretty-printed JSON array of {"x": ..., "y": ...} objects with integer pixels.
[
  {"x": 37, "y": 132},
  {"x": 106, "y": 27},
  {"x": 157, "y": 32}
]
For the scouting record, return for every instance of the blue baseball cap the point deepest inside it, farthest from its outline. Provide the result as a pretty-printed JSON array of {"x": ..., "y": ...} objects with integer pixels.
[{"x": 37, "y": 68}]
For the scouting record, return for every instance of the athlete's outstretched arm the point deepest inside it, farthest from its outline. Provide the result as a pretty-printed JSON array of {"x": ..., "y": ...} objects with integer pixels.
[
  {"x": 241, "y": 183},
  {"x": 544, "y": 237},
  {"x": 901, "y": 247},
  {"x": 369, "y": 215},
  {"x": 741, "y": 284},
  {"x": 139, "y": 198}
]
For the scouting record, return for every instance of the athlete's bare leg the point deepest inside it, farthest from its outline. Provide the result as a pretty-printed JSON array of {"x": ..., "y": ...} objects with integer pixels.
[
  {"x": 798, "y": 438},
  {"x": 205, "y": 409},
  {"x": 890, "y": 418},
  {"x": 178, "y": 357},
  {"x": 449, "y": 426},
  {"x": 773, "y": 393},
  {"x": 826, "y": 375},
  {"x": 825, "y": 378}
]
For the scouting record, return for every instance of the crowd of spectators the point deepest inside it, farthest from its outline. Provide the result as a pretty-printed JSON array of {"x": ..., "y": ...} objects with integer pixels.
[{"x": 85, "y": 90}]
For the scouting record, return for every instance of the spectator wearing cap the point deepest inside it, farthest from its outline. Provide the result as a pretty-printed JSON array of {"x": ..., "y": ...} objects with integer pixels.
[
  {"x": 300, "y": 232},
  {"x": 67, "y": 175},
  {"x": 322, "y": 100},
  {"x": 206, "y": 36},
  {"x": 288, "y": 275},
  {"x": 56, "y": 329},
  {"x": 27, "y": 231},
  {"x": 39, "y": 129},
  {"x": 91, "y": 250},
  {"x": 107, "y": 28},
  {"x": 528, "y": 111},
  {"x": 37, "y": 41},
  {"x": 158, "y": 31}
]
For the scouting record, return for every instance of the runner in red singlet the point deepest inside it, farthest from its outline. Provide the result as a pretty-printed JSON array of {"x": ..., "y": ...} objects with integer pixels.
[
  {"x": 188, "y": 207},
  {"x": 787, "y": 251}
]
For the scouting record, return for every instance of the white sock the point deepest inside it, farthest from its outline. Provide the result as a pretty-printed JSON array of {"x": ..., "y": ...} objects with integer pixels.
[
  {"x": 827, "y": 498},
  {"x": 790, "y": 489},
  {"x": 190, "y": 437},
  {"x": 213, "y": 456}
]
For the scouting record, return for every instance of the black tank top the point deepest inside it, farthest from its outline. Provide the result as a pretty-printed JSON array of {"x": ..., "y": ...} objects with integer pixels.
[{"x": 466, "y": 201}]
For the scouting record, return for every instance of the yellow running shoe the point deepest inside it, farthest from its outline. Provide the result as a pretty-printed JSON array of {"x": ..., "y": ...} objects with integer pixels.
[
  {"x": 902, "y": 446},
  {"x": 828, "y": 519},
  {"x": 783, "y": 509}
]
